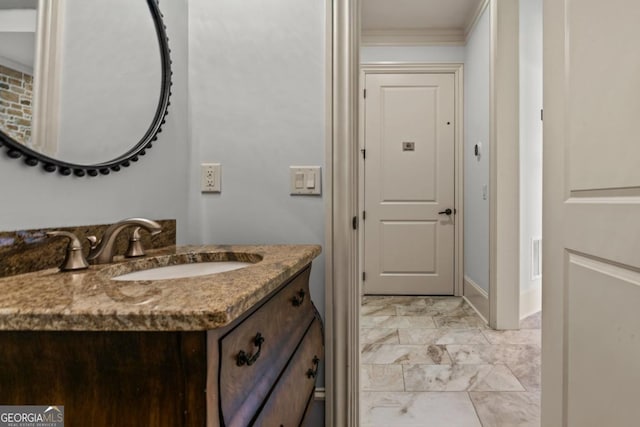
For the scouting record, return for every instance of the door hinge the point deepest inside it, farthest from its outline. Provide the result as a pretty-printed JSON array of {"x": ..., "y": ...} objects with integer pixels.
[
  {"x": 542, "y": 115},
  {"x": 364, "y": 153},
  {"x": 365, "y": 93},
  {"x": 364, "y": 276},
  {"x": 364, "y": 215},
  {"x": 354, "y": 222}
]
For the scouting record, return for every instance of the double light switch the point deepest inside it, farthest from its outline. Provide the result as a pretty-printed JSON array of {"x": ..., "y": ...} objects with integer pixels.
[{"x": 305, "y": 180}]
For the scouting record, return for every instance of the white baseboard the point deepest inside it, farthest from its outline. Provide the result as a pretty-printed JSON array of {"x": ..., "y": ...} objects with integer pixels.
[
  {"x": 530, "y": 301},
  {"x": 477, "y": 297}
]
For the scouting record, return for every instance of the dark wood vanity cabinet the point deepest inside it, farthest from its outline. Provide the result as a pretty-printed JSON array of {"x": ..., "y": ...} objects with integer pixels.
[
  {"x": 260, "y": 370},
  {"x": 292, "y": 397},
  {"x": 270, "y": 355}
]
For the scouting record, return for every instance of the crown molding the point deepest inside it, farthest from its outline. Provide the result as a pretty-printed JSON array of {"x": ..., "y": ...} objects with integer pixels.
[
  {"x": 417, "y": 37},
  {"x": 424, "y": 36},
  {"x": 474, "y": 19}
]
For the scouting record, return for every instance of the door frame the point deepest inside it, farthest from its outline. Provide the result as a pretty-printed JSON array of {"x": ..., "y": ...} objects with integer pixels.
[
  {"x": 457, "y": 70},
  {"x": 504, "y": 166}
]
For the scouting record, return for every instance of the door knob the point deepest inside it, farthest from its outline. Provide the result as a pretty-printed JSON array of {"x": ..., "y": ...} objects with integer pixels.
[{"x": 446, "y": 212}]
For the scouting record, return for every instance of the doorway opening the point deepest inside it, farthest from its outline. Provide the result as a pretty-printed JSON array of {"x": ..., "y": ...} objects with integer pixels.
[{"x": 502, "y": 190}]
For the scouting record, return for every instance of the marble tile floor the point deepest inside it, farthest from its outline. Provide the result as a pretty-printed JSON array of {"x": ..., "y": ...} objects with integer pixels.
[{"x": 433, "y": 362}]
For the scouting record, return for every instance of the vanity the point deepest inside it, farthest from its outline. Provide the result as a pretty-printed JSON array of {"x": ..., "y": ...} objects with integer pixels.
[
  {"x": 235, "y": 348},
  {"x": 226, "y": 348}
]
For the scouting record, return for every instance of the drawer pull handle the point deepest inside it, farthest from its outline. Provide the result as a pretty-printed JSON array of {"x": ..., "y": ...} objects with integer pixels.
[
  {"x": 249, "y": 359},
  {"x": 312, "y": 373},
  {"x": 297, "y": 300}
]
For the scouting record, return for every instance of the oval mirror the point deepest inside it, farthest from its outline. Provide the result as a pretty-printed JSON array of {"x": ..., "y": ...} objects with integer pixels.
[{"x": 84, "y": 85}]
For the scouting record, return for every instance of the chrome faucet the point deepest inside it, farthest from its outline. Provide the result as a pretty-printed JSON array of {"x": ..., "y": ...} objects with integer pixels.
[{"x": 102, "y": 252}]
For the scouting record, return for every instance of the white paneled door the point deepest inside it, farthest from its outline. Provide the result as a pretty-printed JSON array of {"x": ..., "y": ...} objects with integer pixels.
[
  {"x": 409, "y": 184},
  {"x": 591, "y": 244}
]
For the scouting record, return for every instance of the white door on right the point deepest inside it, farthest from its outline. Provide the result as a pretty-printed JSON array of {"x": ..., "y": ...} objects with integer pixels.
[
  {"x": 591, "y": 218},
  {"x": 409, "y": 184}
]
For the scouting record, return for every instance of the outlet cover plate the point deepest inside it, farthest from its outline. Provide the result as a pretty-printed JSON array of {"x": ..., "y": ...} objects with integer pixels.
[{"x": 210, "y": 175}]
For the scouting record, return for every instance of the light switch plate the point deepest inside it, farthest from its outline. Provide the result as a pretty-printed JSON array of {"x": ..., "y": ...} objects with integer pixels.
[{"x": 305, "y": 180}]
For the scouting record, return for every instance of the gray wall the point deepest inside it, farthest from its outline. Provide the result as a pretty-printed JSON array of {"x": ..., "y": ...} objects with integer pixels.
[
  {"x": 154, "y": 187},
  {"x": 17, "y": 36},
  {"x": 476, "y": 171},
  {"x": 412, "y": 54},
  {"x": 256, "y": 91},
  {"x": 530, "y": 148},
  {"x": 112, "y": 92},
  {"x": 256, "y": 105}
]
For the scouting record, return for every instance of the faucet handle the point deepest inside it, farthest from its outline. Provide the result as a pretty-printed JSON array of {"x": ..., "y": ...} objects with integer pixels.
[
  {"x": 93, "y": 240},
  {"x": 135, "y": 248},
  {"x": 74, "y": 259}
]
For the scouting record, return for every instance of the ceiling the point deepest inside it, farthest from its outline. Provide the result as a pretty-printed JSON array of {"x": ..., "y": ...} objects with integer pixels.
[
  {"x": 17, "y": 51},
  {"x": 420, "y": 21},
  {"x": 17, "y": 34}
]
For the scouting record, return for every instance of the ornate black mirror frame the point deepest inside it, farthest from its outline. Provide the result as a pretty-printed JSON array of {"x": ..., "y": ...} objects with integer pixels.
[{"x": 16, "y": 150}]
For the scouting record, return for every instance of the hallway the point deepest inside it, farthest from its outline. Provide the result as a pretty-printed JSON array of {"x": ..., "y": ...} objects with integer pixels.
[{"x": 432, "y": 361}]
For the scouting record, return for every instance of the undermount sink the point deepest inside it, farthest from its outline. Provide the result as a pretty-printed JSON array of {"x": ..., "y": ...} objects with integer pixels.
[
  {"x": 182, "y": 271},
  {"x": 182, "y": 266}
]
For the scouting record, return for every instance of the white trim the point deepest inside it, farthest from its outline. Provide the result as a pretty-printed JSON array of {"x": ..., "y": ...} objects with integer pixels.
[
  {"x": 504, "y": 194},
  {"x": 554, "y": 376},
  {"x": 474, "y": 20},
  {"x": 342, "y": 293},
  {"x": 361, "y": 171},
  {"x": 331, "y": 390},
  {"x": 411, "y": 67},
  {"x": 425, "y": 68},
  {"x": 477, "y": 298},
  {"x": 47, "y": 76},
  {"x": 419, "y": 37},
  {"x": 530, "y": 301}
]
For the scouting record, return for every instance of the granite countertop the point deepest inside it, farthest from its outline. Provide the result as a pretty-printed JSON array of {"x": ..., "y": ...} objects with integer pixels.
[{"x": 89, "y": 300}]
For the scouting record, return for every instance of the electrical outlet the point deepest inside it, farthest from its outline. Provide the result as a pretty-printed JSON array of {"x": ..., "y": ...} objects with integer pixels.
[{"x": 210, "y": 177}]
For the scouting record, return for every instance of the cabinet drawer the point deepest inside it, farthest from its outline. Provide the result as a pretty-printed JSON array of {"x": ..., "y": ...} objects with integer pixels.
[
  {"x": 286, "y": 405},
  {"x": 280, "y": 323}
]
